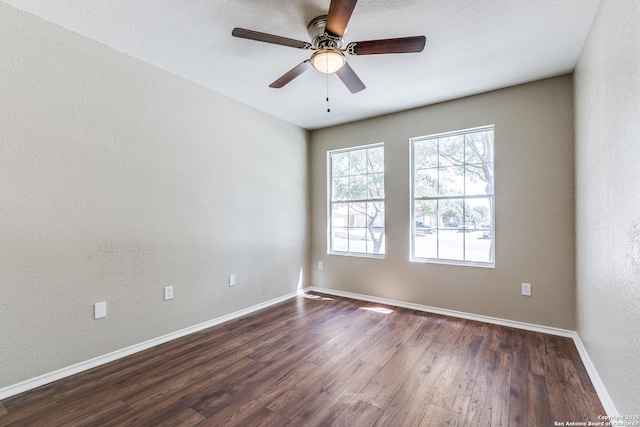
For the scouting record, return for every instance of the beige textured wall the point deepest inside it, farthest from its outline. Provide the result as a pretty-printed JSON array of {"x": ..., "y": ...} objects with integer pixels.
[
  {"x": 117, "y": 179},
  {"x": 607, "y": 92},
  {"x": 534, "y": 229}
]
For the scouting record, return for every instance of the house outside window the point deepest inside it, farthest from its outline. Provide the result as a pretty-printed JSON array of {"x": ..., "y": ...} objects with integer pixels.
[
  {"x": 356, "y": 201},
  {"x": 453, "y": 209}
]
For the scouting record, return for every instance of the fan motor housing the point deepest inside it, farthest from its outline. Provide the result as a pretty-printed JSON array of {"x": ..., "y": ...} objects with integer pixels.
[{"x": 320, "y": 39}]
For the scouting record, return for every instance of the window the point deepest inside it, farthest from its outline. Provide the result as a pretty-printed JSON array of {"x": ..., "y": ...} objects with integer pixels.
[
  {"x": 356, "y": 201},
  {"x": 453, "y": 198}
]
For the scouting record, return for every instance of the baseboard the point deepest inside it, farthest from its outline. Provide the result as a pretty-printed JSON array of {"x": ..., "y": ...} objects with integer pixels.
[
  {"x": 601, "y": 390},
  {"x": 445, "y": 312},
  {"x": 598, "y": 385},
  {"x": 118, "y": 354}
]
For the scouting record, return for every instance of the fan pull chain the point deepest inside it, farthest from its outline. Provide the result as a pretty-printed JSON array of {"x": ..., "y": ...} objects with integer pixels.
[{"x": 328, "y": 105}]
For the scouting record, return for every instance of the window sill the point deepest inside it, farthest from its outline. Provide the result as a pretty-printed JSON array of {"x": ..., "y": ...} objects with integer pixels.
[
  {"x": 453, "y": 262},
  {"x": 358, "y": 255}
]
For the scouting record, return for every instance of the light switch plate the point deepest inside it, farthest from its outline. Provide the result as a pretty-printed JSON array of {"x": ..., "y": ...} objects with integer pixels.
[{"x": 100, "y": 310}]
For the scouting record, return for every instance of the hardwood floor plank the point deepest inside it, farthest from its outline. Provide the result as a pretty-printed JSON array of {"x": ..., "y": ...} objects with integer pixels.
[
  {"x": 358, "y": 413},
  {"x": 251, "y": 415},
  {"x": 528, "y": 400},
  {"x": 300, "y": 390},
  {"x": 386, "y": 383},
  {"x": 413, "y": 398},
  {"x": 190, "y": 381},
  {"x": 324, "y": 360},
  {"x": 291, "y": 346},
  {"x": 455, "y": 389},
  {"x": 566, "y": 395},
  {"x": 255, "y": 401},
  {"x": 329, "y": 386},
  {"x": 235, "y": 390},
  {"x": 399, "y": 328},
  {"x": 440, "y": 417},
  {"x": 20, "y": 413},
  {"x": 489, "y": 405},
  {"x": 172, "y": 414},
  {"x": 344, "y": 345},
  {"x": 82, "y": 415},
  {"x": 527, "y": 356}
]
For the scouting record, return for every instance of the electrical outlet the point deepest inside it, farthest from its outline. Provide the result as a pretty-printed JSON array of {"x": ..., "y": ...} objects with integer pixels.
[
  {"x": 526, "y": 289},
  {"x": 320, "y": 265},
  {"x": 99, "y": 310},
  {"x": 232, "y": 280},
  {"x": 168, "y": 293}
]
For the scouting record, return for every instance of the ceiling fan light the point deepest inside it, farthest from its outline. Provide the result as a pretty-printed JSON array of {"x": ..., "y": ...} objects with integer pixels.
[{"x": 328, "y": 61}]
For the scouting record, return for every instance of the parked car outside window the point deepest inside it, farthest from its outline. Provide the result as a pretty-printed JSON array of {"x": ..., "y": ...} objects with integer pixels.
[{"x": 422, "y": 228}]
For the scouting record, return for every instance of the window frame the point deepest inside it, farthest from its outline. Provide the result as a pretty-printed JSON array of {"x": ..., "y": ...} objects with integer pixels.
[
  {"x": 464, "y": 197},
  {"x": 330, "y": 202}
]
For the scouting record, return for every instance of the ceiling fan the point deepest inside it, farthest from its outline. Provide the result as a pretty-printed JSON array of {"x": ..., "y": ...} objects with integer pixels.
[{"x": 326, "y": 33}]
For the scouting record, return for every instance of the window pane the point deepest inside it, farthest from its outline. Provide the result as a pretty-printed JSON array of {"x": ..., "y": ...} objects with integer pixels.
[
  {"x": 479, "y": 147},
  {"x": 425, "y": 229},
  {"x": 376, "y": 160},
  {"x": 451, "y": 151},
  {"x": 376, "y": 186},
  {"x": 452, "y": 181},
  {"x": 340, "y": 187},
  {"x": 479, "y": 179},
  {"x": 358, "y": 162},
  {"x": 358, "y": 240},
  {"x": 426, "y": 154},
  {"x": 451, "y": 244},
  {"x": 357, "y": 214},
  {"x": 340, "y": 239},
  {"x": 375, "y": 242},
  {"x": 375, "y": 217},
  {"x": 340, "y": 215},
  {"x": 450, "y": 212},
  {"x": 478, "y": 239},
  {"x": 358, "y": 187},
  {"x": 339, "y": 164},
  {"x": 425, "y": 183}
]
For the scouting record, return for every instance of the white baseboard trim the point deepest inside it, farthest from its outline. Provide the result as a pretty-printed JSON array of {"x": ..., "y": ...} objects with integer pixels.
[
  {"x": 446, "y": 312},
  {"x": 598, "y": 385},
  {"x": 118, "y": 354},
  {"x": 601, "y": 390}
]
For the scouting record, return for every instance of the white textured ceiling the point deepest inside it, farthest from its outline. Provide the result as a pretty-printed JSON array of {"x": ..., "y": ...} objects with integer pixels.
[{"x": 472, "y": 46}]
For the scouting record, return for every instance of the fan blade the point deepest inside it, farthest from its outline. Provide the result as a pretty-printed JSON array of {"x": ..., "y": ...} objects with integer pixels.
[
  {"x": 338, "y": 17},
  {"x": 399, "y": 45},
  {"x": 269, "y": 38},
  {"x": 350, "y": 79},
  {"x": 291, "y": 74}
]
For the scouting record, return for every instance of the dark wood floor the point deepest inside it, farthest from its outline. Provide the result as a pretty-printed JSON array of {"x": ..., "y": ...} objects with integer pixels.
[{"x": 327, "y": 361}]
